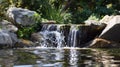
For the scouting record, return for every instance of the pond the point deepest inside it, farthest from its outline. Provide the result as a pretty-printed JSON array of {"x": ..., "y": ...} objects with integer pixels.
[{"x": 59, "y": 57}]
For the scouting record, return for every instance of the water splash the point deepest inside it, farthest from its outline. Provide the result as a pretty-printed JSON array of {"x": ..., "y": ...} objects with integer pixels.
[{"x": 52, "y": 35}]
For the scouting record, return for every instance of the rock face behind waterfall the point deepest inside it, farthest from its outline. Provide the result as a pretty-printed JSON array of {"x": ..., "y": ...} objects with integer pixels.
[
  {"x": 21, "y": 16},
  {"x": 7, "y": 39}
]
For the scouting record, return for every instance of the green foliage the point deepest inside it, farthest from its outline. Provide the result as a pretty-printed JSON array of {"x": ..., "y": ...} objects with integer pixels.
[
  {"x": 4, "y": 4},
  {"x": 25, "y": 32},
  {"x": 49, "y": 9},
  {"x": 80, "y": 16},
  {"x": 83, "y": 9},
  {"x": 66, "y": 11},
  {"x": 94, "y": 17}
]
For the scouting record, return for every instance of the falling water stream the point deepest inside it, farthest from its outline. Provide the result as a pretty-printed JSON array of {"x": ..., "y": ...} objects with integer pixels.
[
  {"x": 72, "y": 37},
  {"x": 54, "y": 36}
]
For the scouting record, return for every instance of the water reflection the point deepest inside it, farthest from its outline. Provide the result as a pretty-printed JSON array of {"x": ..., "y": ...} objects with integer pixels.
[
  {"x": 59, "y": 55},
  {"x": 56, "y": 58},
  {"x": 73, "y": 57},
  {"x": 6, "y": 58}
]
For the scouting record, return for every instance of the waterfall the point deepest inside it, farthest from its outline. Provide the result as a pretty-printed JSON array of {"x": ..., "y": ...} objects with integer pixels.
[
  {"x": 49, "y": 27},
  {"x": 53, "y": 37},
  {"x": 72, "y": 37},
  {"x": 59, "y": 35}
]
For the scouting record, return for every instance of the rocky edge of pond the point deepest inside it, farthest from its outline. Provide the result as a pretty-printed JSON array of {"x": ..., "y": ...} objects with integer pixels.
[{"x": 107, "y": 30}]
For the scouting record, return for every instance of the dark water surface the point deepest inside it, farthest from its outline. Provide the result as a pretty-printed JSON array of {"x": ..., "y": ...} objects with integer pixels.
[{"x": 67, "y": 57}]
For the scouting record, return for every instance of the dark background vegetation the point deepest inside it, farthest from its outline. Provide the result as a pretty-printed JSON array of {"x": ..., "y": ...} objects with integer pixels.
[{"x": 66, "y": 11}]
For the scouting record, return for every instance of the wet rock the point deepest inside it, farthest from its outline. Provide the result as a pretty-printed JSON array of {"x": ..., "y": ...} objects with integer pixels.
[
  {"x": 102, "y": 43},
  {"x": 97, "y": 43},
  {"x": 88, "y": 33},
  {"x": 5, "y": 25},
  {"x": 21, "y": 16},
  {"x": 112, "y": 30},
  {"x": 7, "y": 39},
  {"x": 49, "y": 22},
  {"x": 65, "y": 29},
  {"x": 24, "y": 43},
  {"x": 36, "y": 37},
  {"x": 96, "y": 24}
]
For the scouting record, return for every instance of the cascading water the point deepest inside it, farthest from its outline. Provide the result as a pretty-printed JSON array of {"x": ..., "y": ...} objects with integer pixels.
[
  {"x": 55, "y": 36},
  {"x": 72, "y": 37},
  {"x": 52, "y": 35}
]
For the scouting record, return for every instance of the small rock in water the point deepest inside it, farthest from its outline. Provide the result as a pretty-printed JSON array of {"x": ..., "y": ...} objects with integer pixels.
[{"x": 24, "y": 43}]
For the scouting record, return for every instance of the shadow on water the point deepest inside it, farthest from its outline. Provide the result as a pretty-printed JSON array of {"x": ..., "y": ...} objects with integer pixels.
[{"x": 45, "y": 57}]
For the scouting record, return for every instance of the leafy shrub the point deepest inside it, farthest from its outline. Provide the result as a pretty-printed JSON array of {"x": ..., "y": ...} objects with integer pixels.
[
  {"x": 49, "y": 9},
  {"x": 80, "y": 16},
  {"x": 25, "y": 32},
  {"x": 4, "y": 4}
]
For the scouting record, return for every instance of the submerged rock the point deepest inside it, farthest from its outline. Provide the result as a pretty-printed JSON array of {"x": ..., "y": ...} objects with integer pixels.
[
  {"x": 21, "y": 16},
  {"x": 112, "y": 31},
  {"x": 7, "y": 39}
]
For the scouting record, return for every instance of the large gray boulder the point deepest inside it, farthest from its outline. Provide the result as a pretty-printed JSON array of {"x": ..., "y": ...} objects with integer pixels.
[
  {"x": 7, "y": 38},
  {"x": 112, "y": 30},
  {"x": 21, "y": 16},
  {"x": 5, "y": 25}
]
